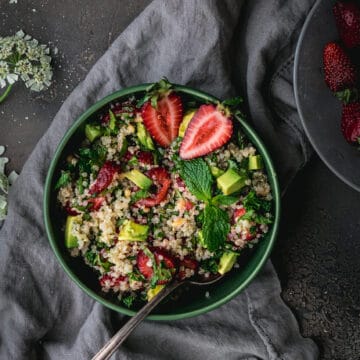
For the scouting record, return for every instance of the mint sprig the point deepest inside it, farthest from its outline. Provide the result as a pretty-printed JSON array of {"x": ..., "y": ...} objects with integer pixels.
[
  {"x": 215, "y": 221},
  {"x": 215, "y": 227},
  {"x": 198, "y": 178}
]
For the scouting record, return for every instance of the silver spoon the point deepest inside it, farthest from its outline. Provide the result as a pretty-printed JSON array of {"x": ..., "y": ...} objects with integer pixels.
[{"x": 109, "y": 348}]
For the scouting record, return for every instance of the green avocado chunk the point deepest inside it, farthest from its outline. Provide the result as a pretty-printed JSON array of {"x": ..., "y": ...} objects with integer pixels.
[
  {"x": 255, "y": 162},
  {"x": 215, "y": 171},
  {"x": 185, "y": 122},
  {"x": 131, "y": 231},
  {"x": 70, "y": 239},
  {"x": 124, "y": 147},
  {"x": 227, "y": 262},
  {"x": 139, "y": 179},
  {"x": 144, "y": 137},
  {"x": 230, "y": 181},
  {"x": 92, "y": 132}
]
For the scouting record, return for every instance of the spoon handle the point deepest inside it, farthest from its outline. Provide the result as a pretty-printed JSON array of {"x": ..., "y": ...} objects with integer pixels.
[{"x": 109, "y": 348}]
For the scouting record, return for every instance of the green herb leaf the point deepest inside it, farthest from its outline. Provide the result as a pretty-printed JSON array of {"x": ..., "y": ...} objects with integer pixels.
[
  {"x": 224, "y": 200},
  {"x": 197, "y": 177},
  {"x": 215, "y": 227},
  {"x": 253, "y": 202},
  {"x": 64, "y": 179},
  {"x": 233, "y": 102},
  {"x": 129, "y": 300},
  {"x": 210, "y": 265}
]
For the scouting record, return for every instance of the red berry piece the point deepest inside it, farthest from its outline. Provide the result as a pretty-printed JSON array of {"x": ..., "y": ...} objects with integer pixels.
[
  {"x": 96, "y": 203},
  {"x": 163, "y": 122},
  {"x": 350, "y": 121},
  {"x": 340, "y": 72},
  {"x": 210, "y": 128},
  {"x": 104, "y": 177},
  {"x": 145, "y": 157},
  {"x": 347, "y": 17},
  {"x": 162, "y": 181}
]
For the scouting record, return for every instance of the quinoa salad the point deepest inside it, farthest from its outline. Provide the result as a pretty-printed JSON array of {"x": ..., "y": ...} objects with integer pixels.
[{"x": 162, "y": 187}]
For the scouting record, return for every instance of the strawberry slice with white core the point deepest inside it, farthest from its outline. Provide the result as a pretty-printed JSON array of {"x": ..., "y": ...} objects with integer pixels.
[
  {"x": 210, "y": 128},
  {"x": 163, "y": 123}
]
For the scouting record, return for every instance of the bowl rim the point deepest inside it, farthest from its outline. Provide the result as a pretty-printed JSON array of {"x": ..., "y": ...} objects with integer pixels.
[
  {"x": 47, "y": 192},
  {"x": 296, "y": 77}
]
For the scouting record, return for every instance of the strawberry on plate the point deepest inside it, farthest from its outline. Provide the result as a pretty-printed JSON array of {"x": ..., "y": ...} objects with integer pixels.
[
  {"x": 350, "y": 122},
  {"x": 210, "y": 128},
  {"x": 340, "y": 73},
  {"x": 347, "y": 17},
  {"x": 163, "y": 114}
]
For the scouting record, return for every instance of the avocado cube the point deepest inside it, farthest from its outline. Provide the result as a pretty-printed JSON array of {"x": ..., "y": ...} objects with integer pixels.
[
  {"x": 227, "y": 262},
  {"x": 185, "y": 121},
  {"x": 255, "y": 162},
  {"x": 139, "y": 179},
  {"x": 151, "y": 293},
  {"x": 132, "y": 231},
  {"x": 112, "y": 122},
  {"x": 231, "y": 181},
  {"x": 123, "y": 147},
  {"x": 144, "y": 137},
  {"x": 92, "y": 132},
  {"x": 70, "y": 239},
  {"x": 215, "y": 171}
]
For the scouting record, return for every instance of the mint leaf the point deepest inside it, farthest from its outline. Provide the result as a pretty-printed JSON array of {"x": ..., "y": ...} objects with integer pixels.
[
  {"x": 224, "y": 200},
  {"x": 215, "y": 227},
  {"x": 197, "y": 177},
  {"x": 64, "y": 179}
]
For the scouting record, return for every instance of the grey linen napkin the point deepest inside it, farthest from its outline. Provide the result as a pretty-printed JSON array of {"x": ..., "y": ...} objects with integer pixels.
[{"x": 222, "y": 47}]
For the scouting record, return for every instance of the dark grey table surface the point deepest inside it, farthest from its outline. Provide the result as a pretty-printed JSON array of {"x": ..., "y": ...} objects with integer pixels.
[{"x": 317, "y": 253}]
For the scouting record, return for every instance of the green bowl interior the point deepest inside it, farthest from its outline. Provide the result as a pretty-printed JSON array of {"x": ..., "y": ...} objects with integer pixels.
[{"x": 187, "y": 303}]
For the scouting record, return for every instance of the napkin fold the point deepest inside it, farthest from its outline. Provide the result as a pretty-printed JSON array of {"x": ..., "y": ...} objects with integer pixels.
[{"x": 226, "y": 48}]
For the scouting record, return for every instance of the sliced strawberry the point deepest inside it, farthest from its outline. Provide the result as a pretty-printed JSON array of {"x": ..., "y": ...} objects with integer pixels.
[
  {"x": 104, "y": 177},
  {"x": 96, "y": 203},
  {"x": 161, "y": 255},
  {"x": 238, "y": 213},
  {"x": 105, "y": 119},
  {"x": 170, "y": 107},
  {"x": 163, "y": 123},
  {"x": 70, "y": 210},
  {"x": 128, "y": 155},
  {"x": 189, "y": 263},
  {"x": 209, "y": 129},
  {"x": 162, "y": 181},
  {"x": 188, "y": 205},
  {"x": 145, "y": 157},
  {"x": 143, "y": 265},
  {"x": 110, "y": 281}
]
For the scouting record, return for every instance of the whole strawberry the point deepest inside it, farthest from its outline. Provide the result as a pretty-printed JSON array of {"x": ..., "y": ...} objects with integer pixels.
[
  {"x": 340, "y": 73},
  {"x": 350, "y": 122},
  {"x": 347, "y": 17}
]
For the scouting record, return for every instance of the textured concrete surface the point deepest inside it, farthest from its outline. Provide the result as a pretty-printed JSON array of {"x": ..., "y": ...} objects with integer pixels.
[{"x": 317, "y": 254}]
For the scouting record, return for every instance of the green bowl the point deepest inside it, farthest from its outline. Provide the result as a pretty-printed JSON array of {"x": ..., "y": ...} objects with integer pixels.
[{"x": 185, "y": 305}]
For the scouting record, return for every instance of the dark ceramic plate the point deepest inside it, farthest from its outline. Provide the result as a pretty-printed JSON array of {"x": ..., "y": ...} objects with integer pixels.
[
  {"x": 319, "y": 110},
  {"x": 185, "y": 305}
]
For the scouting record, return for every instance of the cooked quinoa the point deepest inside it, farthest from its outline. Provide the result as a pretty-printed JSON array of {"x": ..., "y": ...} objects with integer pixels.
[{"x": 171, "y": 242}]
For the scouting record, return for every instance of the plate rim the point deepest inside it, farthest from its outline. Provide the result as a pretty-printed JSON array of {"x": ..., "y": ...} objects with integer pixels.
[{"x": 297, "y": 100}]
